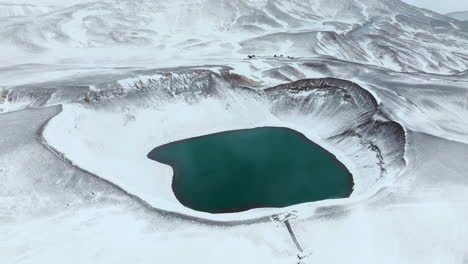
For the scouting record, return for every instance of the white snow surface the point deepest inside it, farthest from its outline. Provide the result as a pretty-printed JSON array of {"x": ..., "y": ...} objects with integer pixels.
[{"x": 81, "y": 190}]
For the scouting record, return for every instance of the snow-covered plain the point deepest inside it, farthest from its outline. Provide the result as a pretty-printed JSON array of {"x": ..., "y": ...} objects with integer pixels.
[{"x": 88, "y": 88}]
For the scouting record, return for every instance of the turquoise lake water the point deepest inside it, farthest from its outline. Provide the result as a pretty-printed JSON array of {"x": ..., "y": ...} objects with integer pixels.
[{"x": 239, "y": 170}]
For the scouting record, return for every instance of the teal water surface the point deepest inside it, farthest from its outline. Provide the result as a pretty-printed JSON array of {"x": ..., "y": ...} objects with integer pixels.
[{"x": 239, "y": 170}]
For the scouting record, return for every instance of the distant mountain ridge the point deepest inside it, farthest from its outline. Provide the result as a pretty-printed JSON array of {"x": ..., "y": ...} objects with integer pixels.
[
  {"x": 20, "y": 10},
  {"x": 384, "y": 33}
]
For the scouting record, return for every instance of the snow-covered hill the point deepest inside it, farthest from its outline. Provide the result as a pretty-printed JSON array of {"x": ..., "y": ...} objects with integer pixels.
[
  {"x": 19, "y": 10},
  {"x": 371, "y": 32},
  {"x": 462, "y": 15}
]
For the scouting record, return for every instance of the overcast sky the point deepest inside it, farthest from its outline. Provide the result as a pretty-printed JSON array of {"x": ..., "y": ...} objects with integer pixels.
[{"x": 441, "y": 6}]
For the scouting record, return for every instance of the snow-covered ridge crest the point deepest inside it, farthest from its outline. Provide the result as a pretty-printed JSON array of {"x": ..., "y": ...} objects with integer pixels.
[{"x": 161, "y": 109}]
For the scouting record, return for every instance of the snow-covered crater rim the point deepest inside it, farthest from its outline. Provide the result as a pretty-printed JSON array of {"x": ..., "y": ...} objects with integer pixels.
[{"x": 80, "y": 123}]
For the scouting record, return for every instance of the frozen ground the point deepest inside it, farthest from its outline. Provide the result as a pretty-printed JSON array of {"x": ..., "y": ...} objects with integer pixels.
[{"x": 88, "y": 88}]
